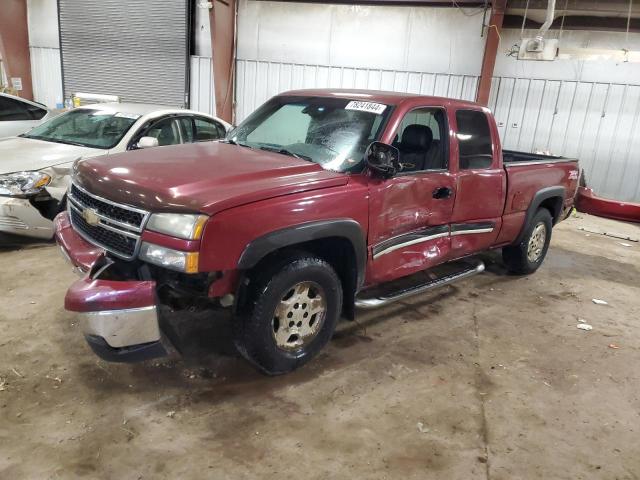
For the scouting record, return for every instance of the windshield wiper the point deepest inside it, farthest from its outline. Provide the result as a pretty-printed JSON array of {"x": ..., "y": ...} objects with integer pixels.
[
  {"x": 284, "y": 151},
  {"x": 230, "y": 141},
  {"x": 55, "y": 140}
]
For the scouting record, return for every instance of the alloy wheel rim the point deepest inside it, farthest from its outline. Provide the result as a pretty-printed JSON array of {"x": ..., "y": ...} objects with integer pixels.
[
  {"x": 299, "y": 316},
  {"x": 536, "y": 242}
]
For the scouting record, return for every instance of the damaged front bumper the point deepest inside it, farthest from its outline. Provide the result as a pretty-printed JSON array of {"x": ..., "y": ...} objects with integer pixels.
[
  {"x": 19, "y": 217},
  {"x": 31, "y": 217},
  {"x": 120, "y": 319}
]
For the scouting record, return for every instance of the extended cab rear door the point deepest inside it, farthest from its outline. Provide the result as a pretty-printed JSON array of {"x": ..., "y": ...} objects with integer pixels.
[{"x": 480, "y": 181}]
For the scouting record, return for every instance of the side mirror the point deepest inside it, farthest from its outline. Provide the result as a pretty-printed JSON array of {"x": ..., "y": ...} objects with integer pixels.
[
  {"x": 383, "y": 159},
  {"x": 147, "y": 142}
]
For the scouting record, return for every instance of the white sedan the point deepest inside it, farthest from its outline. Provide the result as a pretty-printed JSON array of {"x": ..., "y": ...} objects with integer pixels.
[
  {"x": 18, "y": 115},
  {"x": 35, "y": 167}
]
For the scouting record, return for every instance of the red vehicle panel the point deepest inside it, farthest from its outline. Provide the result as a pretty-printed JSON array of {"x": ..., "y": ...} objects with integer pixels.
[{"x": 588, "y": 202}]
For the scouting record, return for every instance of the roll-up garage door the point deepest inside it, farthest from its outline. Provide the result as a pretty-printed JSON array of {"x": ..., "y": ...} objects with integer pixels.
[{"x": 136, "y": 49}]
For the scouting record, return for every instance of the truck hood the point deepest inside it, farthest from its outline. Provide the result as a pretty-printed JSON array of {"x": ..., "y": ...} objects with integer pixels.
[
  {"x": 19, "y": 153},
  {"x": 203, "y": 177}
]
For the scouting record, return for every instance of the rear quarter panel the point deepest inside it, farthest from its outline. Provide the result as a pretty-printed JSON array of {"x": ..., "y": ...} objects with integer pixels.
[{"x": 524, "y": 181}]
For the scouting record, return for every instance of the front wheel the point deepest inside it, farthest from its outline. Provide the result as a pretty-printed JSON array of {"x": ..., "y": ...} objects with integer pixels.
[
  {"x": 528, "y": 255},
  {"x": 293, "y": 311}
]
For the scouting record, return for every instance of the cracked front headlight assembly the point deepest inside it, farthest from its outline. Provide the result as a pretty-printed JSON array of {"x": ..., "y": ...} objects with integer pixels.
[
  {"x": 23, "y": 184},
  {"x": 180, "y": 225}
]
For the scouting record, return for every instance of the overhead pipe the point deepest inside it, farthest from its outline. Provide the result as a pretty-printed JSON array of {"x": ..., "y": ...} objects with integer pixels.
[{"x": 537, "y": 44}]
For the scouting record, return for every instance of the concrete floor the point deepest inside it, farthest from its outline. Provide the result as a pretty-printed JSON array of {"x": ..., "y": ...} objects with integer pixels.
[{"x": 489, "y": 378}]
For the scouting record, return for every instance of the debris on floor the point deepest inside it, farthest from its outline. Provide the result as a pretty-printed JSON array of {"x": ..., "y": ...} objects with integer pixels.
[
  {"x": 625, "y": 244},
  {"x": 171, "y": 414},
  {"x": 614, "y": 346},
  {"x": 584, "y": 326},
  {"x": 609, "y": 234},
  {"x": 422, "y": 428},
  {"x": 597, "y": 301}
]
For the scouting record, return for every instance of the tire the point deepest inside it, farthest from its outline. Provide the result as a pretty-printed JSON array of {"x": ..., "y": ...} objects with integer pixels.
[
  {"x": 277, "y": 331},
  {"x": 521, "y": 259}
]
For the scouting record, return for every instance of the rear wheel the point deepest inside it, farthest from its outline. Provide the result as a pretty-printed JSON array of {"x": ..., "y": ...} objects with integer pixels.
[
  {"x": 529, "y": 254},
  {"x": 293, "y": 308}
]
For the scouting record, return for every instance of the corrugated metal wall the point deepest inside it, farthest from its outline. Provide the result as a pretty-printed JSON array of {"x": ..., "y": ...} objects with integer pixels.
[
  {"x": 595, "y": 122},
  {"x": 46, "y": 75},
  {"x": 257, "y": 81},
  {"x": 137, "y": 50},
  {"x": 202, "y": 96}
]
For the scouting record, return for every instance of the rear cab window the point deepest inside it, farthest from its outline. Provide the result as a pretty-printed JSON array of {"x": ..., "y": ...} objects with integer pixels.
[{"x": 474, "y": 140}]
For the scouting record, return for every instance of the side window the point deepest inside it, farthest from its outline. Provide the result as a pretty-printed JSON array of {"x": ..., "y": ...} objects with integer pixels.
[
  {"x": 166, "y": 131},
  {"x": 186, "y": 123},
  {"x": 13, "y": 110},
  {"x": 207, "y": 130},
  {"x": 474, "y": 139},
  {"x": 421, "y": 140},
  {"x": 36, "y": 112}
]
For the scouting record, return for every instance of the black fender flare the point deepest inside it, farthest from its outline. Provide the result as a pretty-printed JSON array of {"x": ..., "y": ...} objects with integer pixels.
[
  {"x": 346, "y": 228},
  {"x": 539, "y": 197}
]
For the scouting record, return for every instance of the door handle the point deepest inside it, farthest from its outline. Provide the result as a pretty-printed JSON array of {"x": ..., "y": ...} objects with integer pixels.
[{"x": 442, "y": 193}]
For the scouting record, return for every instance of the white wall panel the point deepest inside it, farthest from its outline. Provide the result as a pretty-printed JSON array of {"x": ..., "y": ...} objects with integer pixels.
[
  {"x": 46, "y": 76},
  {"x": 595, "y": 122},
  {"x": 408, "y": 39},
  {"x": 44, "y": 49},
  {"x": 256, "y": 82},
  {"x": 604, "y": 71},
  {"x": 201, "y": 93},
  {"x": 42, "y": 20}
]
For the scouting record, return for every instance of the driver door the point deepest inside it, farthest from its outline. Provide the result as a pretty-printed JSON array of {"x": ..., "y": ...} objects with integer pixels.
[{"x": 410, "y": 213}]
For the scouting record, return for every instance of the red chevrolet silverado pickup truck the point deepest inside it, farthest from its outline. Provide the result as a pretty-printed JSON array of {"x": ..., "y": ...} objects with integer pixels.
[{"x": 320, "y": 202}]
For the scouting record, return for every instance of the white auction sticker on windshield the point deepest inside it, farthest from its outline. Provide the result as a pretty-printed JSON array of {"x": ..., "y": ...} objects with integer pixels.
[{"x": 370, "y": 107}]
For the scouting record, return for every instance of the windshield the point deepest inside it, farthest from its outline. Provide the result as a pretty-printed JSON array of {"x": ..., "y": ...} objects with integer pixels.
[
  {"x": 333, "y": 132},
  {"x": 85, "y": 127}
]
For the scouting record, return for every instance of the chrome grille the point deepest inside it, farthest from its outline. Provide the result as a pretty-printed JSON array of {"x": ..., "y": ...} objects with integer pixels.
[{"x": 115, "y": 227}]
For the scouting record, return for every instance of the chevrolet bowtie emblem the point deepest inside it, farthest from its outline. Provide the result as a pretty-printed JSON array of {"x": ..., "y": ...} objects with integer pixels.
[{"x": 91, "y": 216}]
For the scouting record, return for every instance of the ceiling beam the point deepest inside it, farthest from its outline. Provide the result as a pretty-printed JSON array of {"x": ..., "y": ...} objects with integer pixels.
[
  {"x": 222, "y": 22},
  {"x": 577, "y": 22},
  {"x": 14, "y": 44},
  {"x": 490, "y": 51}
]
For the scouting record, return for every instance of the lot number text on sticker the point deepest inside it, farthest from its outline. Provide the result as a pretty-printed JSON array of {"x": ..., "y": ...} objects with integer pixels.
[{"x": 371, "y": 107}]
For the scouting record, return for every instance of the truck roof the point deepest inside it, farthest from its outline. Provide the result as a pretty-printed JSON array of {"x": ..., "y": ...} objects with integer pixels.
[{"x": 381, "y": 96}]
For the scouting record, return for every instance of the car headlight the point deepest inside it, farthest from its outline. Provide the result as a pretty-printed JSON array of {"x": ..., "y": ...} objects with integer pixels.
[
  {"x": 21, "y": 184},
  {"x": 179, "y": 225},
  {"x": 169, "y": 258}
]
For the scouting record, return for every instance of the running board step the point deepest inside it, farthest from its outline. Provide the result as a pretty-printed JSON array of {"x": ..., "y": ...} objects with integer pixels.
[{"x": 390, "y": 297}]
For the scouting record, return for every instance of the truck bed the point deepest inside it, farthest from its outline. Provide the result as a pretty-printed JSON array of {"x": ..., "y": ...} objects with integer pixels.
[{"x": 512, "y": 157}]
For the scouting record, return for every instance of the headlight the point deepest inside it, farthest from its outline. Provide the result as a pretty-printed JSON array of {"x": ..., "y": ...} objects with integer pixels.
[
  {"x": 20, "y": 184},
  {"x": 169, "y": 258},
  {"x": 179, "y": 225}
]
